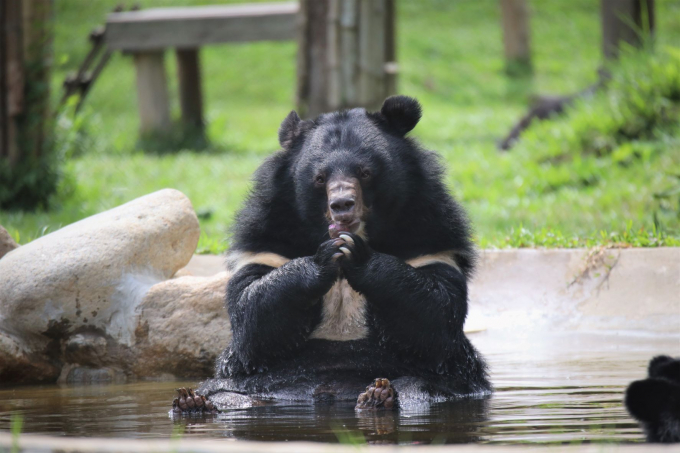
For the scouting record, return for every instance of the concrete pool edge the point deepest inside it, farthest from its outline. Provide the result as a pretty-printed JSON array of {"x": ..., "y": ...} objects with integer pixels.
[{"x": 37, "y": 443}]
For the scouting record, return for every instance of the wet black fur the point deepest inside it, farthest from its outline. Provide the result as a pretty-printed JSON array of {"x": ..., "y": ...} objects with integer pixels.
[
  {"x": 415, "y": 316},
  {"x": 655, "y": 401}
]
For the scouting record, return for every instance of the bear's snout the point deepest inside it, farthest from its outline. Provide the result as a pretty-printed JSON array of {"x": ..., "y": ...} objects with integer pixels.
[
  {"x": 342, "y": 206},
  {"x": 345, "y": 206}
]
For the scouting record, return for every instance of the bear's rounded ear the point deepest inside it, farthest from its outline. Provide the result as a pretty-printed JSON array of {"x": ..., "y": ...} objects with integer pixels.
[
  {"x": 402, "y": 113},
  {"x": 289, "y": 129}
]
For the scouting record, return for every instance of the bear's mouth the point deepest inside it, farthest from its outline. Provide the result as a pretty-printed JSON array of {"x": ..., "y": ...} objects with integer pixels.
[{"x": 336, "y": 228}]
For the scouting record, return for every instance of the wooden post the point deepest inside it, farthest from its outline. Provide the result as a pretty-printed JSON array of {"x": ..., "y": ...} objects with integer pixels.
[
  {"x": 625, "y": 21},
  {"x": 516, "y": 36},
  {"x": 346, "y": 54},
  {"x": 190, "y": 96},
  {"x": 152, "y": 92}
]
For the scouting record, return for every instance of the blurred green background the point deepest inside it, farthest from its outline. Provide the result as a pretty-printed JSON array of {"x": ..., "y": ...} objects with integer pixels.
[{"x": 607, "y": 172}]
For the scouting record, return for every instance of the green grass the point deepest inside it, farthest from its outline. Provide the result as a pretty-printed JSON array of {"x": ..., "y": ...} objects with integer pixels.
[
  {"x": 574, "y": 182},
  {"x": 17, "y": 422}
]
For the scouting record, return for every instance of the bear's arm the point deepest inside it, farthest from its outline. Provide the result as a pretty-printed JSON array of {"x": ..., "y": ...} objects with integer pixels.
[
  {"x": 420, "y": 311},
  {"x": 273, "y": 310}
]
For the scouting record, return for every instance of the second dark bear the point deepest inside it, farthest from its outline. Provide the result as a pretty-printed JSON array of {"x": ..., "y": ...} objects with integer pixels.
[
  {"x": 349, "y": 261},
  {"x": 655, "y": 401}
]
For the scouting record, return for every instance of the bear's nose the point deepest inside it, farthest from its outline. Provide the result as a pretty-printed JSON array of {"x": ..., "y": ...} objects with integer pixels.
[{"x": 342, "y": 205}]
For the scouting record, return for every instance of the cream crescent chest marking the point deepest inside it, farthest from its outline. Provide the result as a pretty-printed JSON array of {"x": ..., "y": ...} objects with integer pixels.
[{"x": 343, "y": 316}]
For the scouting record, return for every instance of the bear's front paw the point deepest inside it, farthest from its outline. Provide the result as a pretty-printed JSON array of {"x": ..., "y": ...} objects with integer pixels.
[
  {"x": 378, "y": 396},
  {"x": 327, "y": 255},
  {"x": 355, "y": 250},
  {"x": 189, "y": 402}
]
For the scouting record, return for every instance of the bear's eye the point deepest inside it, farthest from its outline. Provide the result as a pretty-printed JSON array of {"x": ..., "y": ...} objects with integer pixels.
[
  {"x": 320, "y": 180},
  {"x": 365, "y": 173}
]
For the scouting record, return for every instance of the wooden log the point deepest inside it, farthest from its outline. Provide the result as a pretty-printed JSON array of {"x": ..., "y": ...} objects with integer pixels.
[
  {"x": 190, "y": 95},
  {"x": 625, "y": 21},
  {"x": 193, "y": 27},
  {"x": 516, "y": 36},
  {"x": 152, "y": 92}
]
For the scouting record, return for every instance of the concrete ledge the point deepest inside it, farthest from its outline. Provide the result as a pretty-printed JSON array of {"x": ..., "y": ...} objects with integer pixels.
[
  {"x": 43, "y": 444},
  {"x": 602, "y": 289}
]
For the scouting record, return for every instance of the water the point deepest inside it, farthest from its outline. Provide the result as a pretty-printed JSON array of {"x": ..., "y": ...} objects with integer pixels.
[{"x": 550, "y": 388}]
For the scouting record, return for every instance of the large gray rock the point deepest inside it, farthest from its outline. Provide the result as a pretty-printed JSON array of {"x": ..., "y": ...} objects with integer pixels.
[
  {"x": 7, "y": 244},
  {"x": 74, "y": 294},
  {"x": 182, "y": 327},
  {"x": 19, "y": 364}
]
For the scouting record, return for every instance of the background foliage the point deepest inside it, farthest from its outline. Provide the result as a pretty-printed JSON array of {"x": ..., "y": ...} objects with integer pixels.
[{"x": 607, "y": 172}]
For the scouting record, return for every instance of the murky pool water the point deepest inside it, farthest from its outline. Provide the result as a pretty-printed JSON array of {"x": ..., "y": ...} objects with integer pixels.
[{"x": 557, "y": 388}]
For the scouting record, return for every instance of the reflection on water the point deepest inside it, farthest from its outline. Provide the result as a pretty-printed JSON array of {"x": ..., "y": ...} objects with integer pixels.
[{"x": 549, "y": 389}]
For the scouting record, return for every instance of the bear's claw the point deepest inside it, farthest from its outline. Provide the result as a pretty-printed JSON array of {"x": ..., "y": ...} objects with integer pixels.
[
  {"x": 189, "y": 402},
  {"x": 378, "y": 396},
  {"x": 347, "y": 238}
]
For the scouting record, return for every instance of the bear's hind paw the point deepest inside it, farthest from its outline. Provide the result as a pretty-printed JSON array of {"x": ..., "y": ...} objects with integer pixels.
[
  {"x": 189, "y": 402},
  {"x": 378, "y": 396}
]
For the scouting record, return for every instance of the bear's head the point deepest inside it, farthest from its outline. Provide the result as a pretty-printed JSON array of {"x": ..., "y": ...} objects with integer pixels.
[
  {"x": 350, "y": 168},
  {"x": 353, "y": 171}
]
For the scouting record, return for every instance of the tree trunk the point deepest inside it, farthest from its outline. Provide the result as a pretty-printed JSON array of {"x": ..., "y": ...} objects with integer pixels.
[
  {"x": 25, "y": 56},
  {"x": 12, "y": 68},
  {"x": 516, "y": 36},
  {"x": 346, "y": 54},
  {"x": 625, "y": 21},
  {"x": 25, "y": 49}
]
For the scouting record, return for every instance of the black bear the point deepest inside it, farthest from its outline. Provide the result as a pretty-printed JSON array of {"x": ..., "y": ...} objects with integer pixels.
[
  {"x": 349, "y": 261},
  {"x": 655, "y": 401}
]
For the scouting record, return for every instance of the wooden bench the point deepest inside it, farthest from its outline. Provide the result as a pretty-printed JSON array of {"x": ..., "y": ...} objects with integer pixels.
[{"x": 148, "y": 33}]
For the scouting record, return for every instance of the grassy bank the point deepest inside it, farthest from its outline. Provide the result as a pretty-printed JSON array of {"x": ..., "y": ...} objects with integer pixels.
[{"x": 559, "y": 188}]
